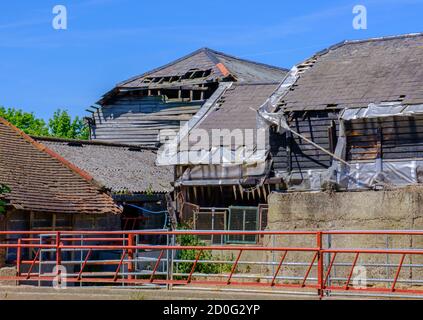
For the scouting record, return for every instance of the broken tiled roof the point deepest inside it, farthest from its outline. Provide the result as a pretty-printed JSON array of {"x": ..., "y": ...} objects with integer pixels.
[
  {"x": 118, "y": 167},
  {"x": 357, "y": 73},
  {"x": 236, "y": 109},
  {"x": 218, "y": 64},
  {"x": 42, "y": 181}
]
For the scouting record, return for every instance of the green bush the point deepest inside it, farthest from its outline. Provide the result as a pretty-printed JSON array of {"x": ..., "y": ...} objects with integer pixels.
[{"x": 206, "y": 268}]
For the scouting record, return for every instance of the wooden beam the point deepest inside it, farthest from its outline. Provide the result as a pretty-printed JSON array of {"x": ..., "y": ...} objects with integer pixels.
[{"x": 241, "y": 192}]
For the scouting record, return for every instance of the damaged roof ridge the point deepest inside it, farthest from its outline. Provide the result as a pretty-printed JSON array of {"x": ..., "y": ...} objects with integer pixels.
[
  {"x": 264, "y": 83},
  {"x": 41, "y": 147},
  {"x": 93, "y": 142},
  {"x": 386, "y": 38},
  {"x": 347, "y": 42},
  {"x": 211, "y": 54},
  {"x": 246, "y": 60},
  {"x": 122, "y": 83}
]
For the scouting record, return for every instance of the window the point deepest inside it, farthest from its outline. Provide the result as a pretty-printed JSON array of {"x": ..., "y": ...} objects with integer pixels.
[
  {"x": 236, "y": 218},
  {"x": 243, "y": 219},
  {"x": 210, "y": 219}
]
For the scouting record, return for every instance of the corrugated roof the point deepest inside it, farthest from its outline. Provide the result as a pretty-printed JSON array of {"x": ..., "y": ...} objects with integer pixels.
[
  {"x": 357, "y": 73},
  {"x": 42, "y": 181},
  {"x": 119, "y": 167}
]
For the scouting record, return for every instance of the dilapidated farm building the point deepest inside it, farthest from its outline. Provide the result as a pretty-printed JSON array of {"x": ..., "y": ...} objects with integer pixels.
[
  {"x": 348, "y": 118},
  {"x": 223, "y": 173},
  {"x": 351, "y": 117},
  {"x": 156, "y": 103},
  {"x": 127, "y": 172},
  {"x": 47, "y": 191}
]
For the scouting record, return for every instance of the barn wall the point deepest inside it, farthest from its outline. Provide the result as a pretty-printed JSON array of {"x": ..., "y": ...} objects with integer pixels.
[
  {"x": 104, "y": 222},
  {"x": 293, "y": 155},
  {"x": 138, "y": 120},
  {"x": 18, "y": 220},
  {"x": 313, "y": 125},
  {"x": 391, "y": 137},
  {"x": 278, "y": 150}
]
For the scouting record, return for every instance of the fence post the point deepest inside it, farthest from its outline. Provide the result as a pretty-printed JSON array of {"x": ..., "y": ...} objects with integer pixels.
[
  {"x": 18, "y": 259},
  {"x": 130, "y": 256},
  {"x": 58, "y": 258},
  {"x": 320, "y": 265},
  {"x": 170, "y": 257}
]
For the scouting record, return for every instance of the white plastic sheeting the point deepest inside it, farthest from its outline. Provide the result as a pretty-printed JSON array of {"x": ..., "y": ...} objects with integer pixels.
[
  {"x": 363, "y": 174},
  {"x": 381, "y": 110},
  {"x": 219, "y": 156},
  {"x": 223, "y": 172},
  {"x": 380, "y": 172},
  {"x": 266, "y": 113}
]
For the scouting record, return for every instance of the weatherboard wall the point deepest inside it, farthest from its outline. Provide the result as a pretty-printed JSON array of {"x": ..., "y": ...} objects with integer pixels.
[
  {"x": 139, "y": 121},
  {"x": 291, "y": 153}
]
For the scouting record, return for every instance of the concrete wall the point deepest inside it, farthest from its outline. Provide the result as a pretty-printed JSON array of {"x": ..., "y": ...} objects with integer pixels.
[
  {"x": 396, "y": 209},
  {"x": 400, "y": 209}
]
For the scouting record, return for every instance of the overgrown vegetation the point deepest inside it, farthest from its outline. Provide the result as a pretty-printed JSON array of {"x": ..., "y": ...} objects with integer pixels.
[
  {"x": 206, "y": 268},
  {"x": 60, "y": 125},
  {"x": 3, "y": 189}
]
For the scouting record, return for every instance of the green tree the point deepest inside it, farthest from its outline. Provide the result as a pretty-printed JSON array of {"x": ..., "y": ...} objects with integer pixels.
[
  {"x": 25, "y": 121},
  {"x": 3, "y": 189},
  {"x": 62, "y": 126}
]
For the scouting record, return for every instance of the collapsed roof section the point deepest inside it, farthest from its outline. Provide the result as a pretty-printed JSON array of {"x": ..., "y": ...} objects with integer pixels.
[
  {"x": 123, "y": 169},
  {"x": 231, "y": 118},
  {"x": 198, "y": 68},
  {"x": 42, "y": 181}
]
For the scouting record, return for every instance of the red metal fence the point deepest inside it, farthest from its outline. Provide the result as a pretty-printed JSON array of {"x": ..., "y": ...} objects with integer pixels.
[{"x": 322, "y": 262}]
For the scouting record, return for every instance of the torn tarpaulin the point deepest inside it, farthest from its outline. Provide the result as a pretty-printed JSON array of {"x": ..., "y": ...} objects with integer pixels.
[
  {"x": 266, "y": 114},
  {"x": 390, "y": 109},
  {"x": 369, "y": 174},
  {"x": 359, "y": 174},
  {"x": 379, "y": 172}
]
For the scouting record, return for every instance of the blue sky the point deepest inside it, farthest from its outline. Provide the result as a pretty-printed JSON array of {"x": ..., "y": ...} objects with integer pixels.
[{"x": 108, "y": 41}]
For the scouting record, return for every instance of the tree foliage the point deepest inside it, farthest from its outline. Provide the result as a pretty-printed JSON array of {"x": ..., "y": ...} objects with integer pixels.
[
  {"x": 25, "y": 121},
  {"x": 60, "y": 125},
  {"x": 3, "y": 189}
]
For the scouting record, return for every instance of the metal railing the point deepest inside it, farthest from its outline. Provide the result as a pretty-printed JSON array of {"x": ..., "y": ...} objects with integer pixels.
[{"x": 324, "y": 262}]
